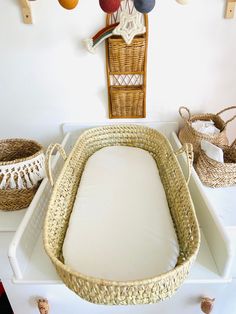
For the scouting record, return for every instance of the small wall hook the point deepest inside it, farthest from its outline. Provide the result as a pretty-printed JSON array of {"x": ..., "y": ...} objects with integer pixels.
[
  {"x": 230, "y": 7},
  {"x": 26, "y": 11}
]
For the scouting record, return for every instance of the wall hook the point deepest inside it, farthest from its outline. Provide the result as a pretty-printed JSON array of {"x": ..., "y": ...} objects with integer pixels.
[
  {"x": 230, "y": 7},
  {"x": 26, "y": 11}
]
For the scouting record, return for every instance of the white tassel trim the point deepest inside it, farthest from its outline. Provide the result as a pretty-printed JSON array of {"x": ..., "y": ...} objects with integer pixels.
[{"x": 24, "y": 174}]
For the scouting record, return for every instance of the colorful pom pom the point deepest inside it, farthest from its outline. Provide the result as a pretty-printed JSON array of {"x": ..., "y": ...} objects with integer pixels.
[
  {"x": 144, "y": 6},
  {"x": 182, "y": 1},
  {"x": 68, "y": 4},
  {"x": 109, "y": 6}
]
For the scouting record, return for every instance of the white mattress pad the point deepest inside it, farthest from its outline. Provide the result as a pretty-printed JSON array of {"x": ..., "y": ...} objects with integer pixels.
[{"x": 120, "y": 227}]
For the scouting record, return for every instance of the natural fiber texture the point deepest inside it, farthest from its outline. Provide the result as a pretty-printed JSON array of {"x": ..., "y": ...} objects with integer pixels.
[
  {"x": 100, "y": 290},
  {"x": 127, "y": 101},
  {"x": 189, "y": 135},
  {"x": 21, "y": 170},
  {"x": 126, "y": 58},
  {"x": 216, "y": 174},
  {"x": 14, "y": 199},
  {"x": 126, "y": 67}
]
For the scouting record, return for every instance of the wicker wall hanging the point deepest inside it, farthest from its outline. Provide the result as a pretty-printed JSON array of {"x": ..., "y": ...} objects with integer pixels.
[
  {"x": 126, "y": 35},
  {"x": 126, "y": 62}
]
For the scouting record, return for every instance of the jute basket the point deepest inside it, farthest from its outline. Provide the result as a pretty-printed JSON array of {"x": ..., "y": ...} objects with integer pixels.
[
  {"x": 126, "y": 58},
  {"x": 21, "y": 169},
  {"x": 101, "y": 290},
  {"x": 189, "y": 135},
  {"x": 127, "y": 101},
  {"x": 216, "y": 174}
]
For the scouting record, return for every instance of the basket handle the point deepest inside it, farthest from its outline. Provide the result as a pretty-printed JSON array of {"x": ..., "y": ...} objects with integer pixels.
[
  {"x": 187, "y": 148},
  {"x": 182, "y": 114},
  {"x": 226, "y": 109},
  {"x": 48, "y": 158}
]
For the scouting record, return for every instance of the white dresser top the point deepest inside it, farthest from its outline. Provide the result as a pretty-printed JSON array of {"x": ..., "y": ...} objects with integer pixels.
[
  {"x": 224, "y": 202},
  {"x": 10, "y": 220}
]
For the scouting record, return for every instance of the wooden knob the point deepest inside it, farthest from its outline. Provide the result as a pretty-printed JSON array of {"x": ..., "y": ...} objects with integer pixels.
[
  {"x": 207, "y": 305},
  {"x": 43, "y": 306}
]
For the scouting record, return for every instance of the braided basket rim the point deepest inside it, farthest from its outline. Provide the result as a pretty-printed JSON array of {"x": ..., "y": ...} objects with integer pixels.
[
  {"x": 18, "y": 160},
  {"x": 206, "y": 116}
]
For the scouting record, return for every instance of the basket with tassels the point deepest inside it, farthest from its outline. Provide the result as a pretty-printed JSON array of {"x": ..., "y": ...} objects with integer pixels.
[{"x": 21, "y": 170}]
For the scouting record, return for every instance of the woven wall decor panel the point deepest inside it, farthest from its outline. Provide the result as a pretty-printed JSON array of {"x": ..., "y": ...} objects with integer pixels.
[{"x": 126, "y": 69}]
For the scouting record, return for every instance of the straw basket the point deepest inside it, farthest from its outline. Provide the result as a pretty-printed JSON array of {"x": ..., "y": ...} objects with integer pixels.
[
  {"x": 102, "y": 290},
  {"x": 189, "y": 135},
  {"x": 21, "y": 169},
  {"x": 216, "y": 174},
  {"x": 127, "y": 101},
  {"x": 126, "y": 58}
]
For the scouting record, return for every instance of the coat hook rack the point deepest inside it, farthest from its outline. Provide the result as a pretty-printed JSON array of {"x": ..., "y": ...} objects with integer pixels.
[
  {"x": 230, "y": 7},
  {"x": 26, "y": 11}
]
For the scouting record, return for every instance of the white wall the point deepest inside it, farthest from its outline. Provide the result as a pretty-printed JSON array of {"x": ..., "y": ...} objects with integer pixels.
[{"x": 47, "y": 77}]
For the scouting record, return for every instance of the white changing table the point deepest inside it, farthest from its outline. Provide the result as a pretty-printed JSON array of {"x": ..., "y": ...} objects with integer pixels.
[
  {"x": 34, "y": 276},
  {"x": 221, "y": 205}
]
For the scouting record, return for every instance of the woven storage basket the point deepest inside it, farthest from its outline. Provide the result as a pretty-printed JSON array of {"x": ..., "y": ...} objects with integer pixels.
[
  {"x": 126, "y": 58},
  {"x": 216, "y": 174},
  {"x": 100, "y": 290},
  {"x": 189, "y": 135},
  {"x": 21, "y": 169},
  {"x": 127, "y": 101}
]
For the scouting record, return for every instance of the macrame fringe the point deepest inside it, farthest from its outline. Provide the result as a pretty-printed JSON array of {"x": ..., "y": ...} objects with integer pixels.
[{"x": 23, "y": 175}]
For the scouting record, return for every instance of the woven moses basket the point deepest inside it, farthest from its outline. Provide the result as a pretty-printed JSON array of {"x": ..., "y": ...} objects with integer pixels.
[
  {"x": 21, "y": 169},
  {"x": 189, "y": 135},
  {"x": 100, "y": 290},
  {"x": 216, "y": 174}
]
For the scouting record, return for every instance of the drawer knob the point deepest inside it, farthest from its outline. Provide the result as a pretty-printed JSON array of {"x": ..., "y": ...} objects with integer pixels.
[
  {"x": 207, "y": 305},
  {"x": 43, "y": 306}
]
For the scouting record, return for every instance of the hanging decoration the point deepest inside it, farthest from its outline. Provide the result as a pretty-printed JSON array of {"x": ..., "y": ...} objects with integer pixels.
[
  {"x": 126, "y": 61},
  {"x": 130, "y": 26},
  {"x": 126, "y": 35},
  {"x": 144, "y": 6},
  {"x": 109, "y": 6},
  {"x": 68, "y": 4},
  {"x": 92, "y": 43}
]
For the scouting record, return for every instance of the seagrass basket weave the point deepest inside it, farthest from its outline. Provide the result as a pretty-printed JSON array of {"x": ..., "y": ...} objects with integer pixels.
[
  {"x": 127, "y": 101},
  {"x": 101, "y": 290},
  {"x": 216, "y": 174},
  {"x": 21, "y": 170},
  {"x": 125, "y": 58},
  {"x": 189, "y": 135}
]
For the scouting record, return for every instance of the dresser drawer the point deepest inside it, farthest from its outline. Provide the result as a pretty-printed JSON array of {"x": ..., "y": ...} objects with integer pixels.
[{"x": 61, "y": 300}]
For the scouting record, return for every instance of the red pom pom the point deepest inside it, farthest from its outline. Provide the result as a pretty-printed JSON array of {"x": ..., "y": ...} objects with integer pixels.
[{"x": 109, "y": 6}]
